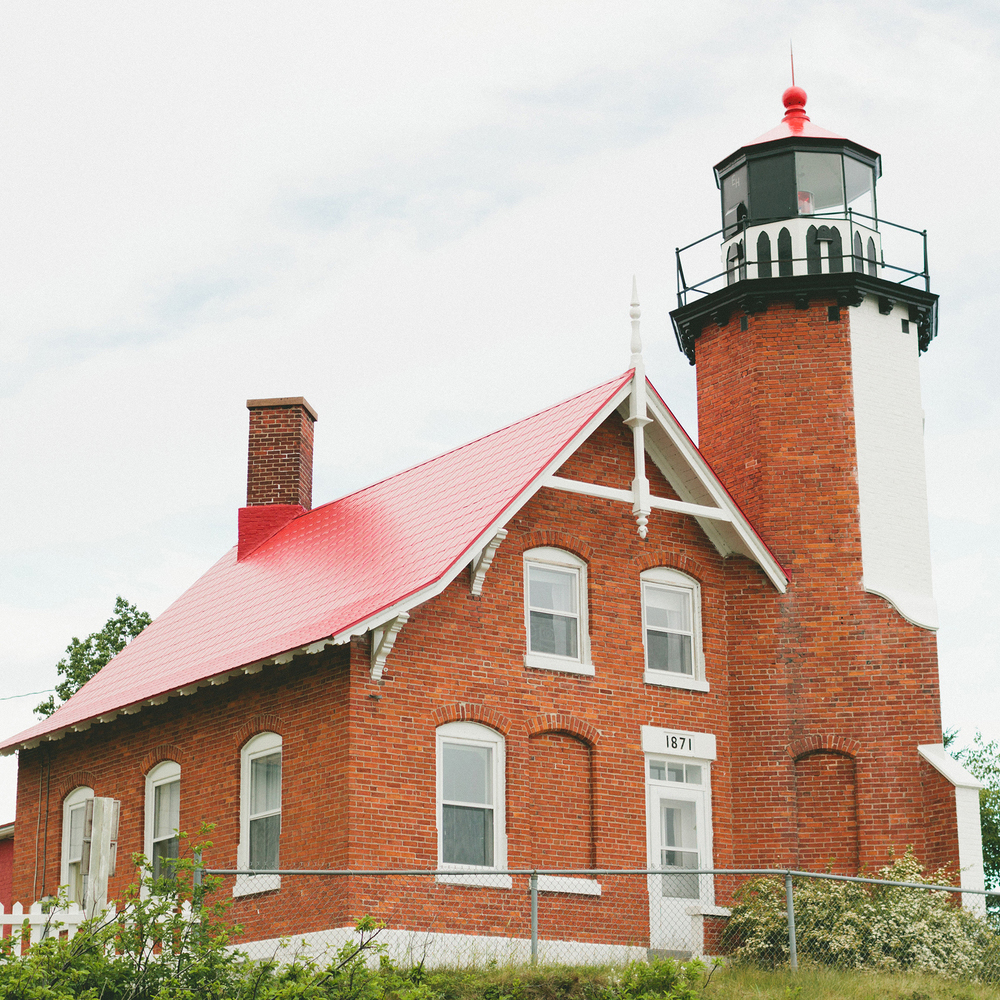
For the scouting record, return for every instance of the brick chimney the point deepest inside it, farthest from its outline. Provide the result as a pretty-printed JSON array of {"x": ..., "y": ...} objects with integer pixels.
[{"x": 279, "y": 468}]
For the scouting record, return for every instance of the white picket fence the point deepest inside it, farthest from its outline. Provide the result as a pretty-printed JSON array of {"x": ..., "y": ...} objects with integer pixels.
[{"x": 41, "y": 922}]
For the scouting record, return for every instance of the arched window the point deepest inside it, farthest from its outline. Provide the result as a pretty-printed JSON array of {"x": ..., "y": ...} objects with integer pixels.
[
  {"x": 74, "y": 817},
  {"x": 671, "y": 629},
  {"x": 859, "y": 254},
  {"x": 763, "y": 255},
  {"x": 163, "y": 807},
  {"x": 872, "y": 261},
  {"x": 785, "y": 266},
  {"x": 471, "y": 820},
  {"x": 260, "y": 813},
  {"x": 555, "y": 611}
]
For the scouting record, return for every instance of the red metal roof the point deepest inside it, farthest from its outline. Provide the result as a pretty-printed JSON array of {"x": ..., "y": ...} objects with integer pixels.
[
  {"x": 334, "y": 567},
  {"x": 796, "y": 122}
]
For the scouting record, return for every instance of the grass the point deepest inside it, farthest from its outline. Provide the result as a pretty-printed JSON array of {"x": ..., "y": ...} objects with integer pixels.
[
  {"x": 592, "y": 982},
  {"x": 831, "y": 984}
]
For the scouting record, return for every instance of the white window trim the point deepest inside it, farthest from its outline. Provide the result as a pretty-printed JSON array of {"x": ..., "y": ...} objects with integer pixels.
[
  {"x": 561, "y": 559},
  {"x": 473, "y": 734},
  {"x": 666, "y": 577},
  {"x": 162, "y": 774},
  {"x": 246, "y": 885},
  {"x": 77, "y": 797}
]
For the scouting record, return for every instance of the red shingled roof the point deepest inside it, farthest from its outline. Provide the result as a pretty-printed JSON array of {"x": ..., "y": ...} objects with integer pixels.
[{"x": 337, "y": 568}]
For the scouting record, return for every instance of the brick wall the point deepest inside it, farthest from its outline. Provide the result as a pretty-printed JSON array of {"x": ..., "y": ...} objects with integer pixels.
[
  {"x": 826, "y": 662},
  {"x": 939, "y": 808},
  {"x": 824, "y": 667},
  {"x": 827, "y": 807},
  {"x": 560, "y": 785}
]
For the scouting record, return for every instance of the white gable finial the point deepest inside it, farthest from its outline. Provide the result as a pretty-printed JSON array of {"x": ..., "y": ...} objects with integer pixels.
[
  {"x": 635, "y": 313},
  {"x": 637, "y": 420}
]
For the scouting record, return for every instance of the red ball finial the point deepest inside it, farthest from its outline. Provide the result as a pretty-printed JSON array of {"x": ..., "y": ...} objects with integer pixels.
[
  {"x": 794, "y": 100},
  {"x": 794, "y": 97}
]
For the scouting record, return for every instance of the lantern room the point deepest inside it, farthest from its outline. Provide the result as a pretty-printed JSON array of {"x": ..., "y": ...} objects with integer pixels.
[{"x": 797, "y": 200}]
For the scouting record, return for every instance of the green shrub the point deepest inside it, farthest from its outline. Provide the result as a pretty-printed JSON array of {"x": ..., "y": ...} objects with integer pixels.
[{"x": 853, "y": 925}]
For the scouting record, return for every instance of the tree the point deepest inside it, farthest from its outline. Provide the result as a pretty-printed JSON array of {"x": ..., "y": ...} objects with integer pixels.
[
  {"x": 982, "y": 759},
  {"x": 85, "y": 657}
]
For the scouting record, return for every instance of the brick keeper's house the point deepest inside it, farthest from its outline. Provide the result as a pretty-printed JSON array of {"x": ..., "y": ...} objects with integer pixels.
[{"x": 578, "y": 642}]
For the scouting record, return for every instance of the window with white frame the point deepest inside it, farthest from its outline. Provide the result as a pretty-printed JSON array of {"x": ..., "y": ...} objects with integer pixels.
[
  {"x": 74, "y": 816},
  {"x": 260, "y": 812},
  {"x": 671, "y": 626},
  {"x": 555, "y": 609},
  {"x": 470, "y": 800},
  {"x": 163, "y": 808}
]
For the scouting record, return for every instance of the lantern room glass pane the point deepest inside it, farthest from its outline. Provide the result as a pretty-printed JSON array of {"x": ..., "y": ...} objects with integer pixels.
[
  {"x": 772, "y": 187},
  {"x": 860, "y": 181},
  {"x": 734, "y": 201},
  {"x": 819, "y": 181}
]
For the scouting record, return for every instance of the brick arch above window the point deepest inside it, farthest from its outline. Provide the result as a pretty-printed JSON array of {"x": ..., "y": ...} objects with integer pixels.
[
  {"x": 668, "y": 560},
  {"x": 469, "y": 711},
  {"x": 165, "y": 751},
  {"x": 266, "y": 723},
  {"x": 571, "y": 725},
  {"x": 557, "y": 540},
  {"x": 76, "y": 780},
  {"x": 829, "y": 742}
]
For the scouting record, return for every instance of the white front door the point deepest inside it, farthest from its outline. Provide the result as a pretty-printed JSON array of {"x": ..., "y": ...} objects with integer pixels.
[{"x": 679, "y": 843}]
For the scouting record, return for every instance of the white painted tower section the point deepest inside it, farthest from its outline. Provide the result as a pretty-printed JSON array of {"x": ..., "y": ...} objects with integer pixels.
[{"x": 892, "y": 482}]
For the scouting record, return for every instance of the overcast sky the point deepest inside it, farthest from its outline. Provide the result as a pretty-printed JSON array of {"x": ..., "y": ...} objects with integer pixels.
[{"x": 424, "y": 218}]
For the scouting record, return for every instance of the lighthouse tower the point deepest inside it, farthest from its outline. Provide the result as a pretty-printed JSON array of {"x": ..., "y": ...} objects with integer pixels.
[{"x": 806, "y": 337}]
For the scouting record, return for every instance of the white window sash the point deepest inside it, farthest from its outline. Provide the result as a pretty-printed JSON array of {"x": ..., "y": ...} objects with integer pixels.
[
  {"x": 468, "y": 734},
  {"x": 261, "y": 745}
]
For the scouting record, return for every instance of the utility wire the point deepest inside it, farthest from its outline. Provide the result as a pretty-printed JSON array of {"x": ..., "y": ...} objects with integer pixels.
[{"x": 27, "y": 694}]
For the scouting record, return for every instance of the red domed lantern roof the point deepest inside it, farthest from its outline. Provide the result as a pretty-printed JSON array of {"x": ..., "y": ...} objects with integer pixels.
[
  {"x": 796, "y": 122},
  {"x": 795, "y": 129}
]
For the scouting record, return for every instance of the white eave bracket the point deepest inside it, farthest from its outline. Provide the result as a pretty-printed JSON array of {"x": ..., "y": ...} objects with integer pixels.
[
  {"x": 383, "y": 639},
  {"x": 481, "y": 564}
]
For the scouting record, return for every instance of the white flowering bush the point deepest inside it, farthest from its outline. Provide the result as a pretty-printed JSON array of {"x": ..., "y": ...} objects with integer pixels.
[{"x": 854, "y": 925}]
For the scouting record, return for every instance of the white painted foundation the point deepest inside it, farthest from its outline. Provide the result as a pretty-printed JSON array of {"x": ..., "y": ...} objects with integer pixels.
[{"x": 439, "y": 949}]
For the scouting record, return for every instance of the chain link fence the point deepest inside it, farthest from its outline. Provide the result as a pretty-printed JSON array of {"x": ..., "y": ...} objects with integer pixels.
[{"x": 765, "y": 918}]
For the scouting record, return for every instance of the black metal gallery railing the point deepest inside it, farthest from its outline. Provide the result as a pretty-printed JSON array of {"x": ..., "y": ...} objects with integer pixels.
[{"x": 853, "y": 250}]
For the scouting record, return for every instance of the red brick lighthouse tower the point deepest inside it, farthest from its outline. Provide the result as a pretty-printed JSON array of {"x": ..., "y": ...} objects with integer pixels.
[{"x": 806, "y": 343}]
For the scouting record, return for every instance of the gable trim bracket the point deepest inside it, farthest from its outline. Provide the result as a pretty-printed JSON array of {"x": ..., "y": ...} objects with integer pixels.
[
  {"x": 383, "y": 639},
  {"x": 479, "y": 566}
]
